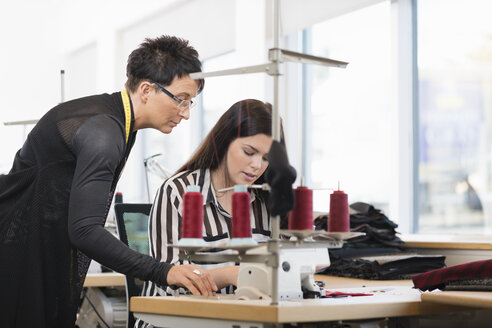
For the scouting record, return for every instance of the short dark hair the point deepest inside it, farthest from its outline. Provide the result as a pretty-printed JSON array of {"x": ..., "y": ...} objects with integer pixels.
[
  {"x": 245, "y": 118},
  {"x": 161, "y": 60}
]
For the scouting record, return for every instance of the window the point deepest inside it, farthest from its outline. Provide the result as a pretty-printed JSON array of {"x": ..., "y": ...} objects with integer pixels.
[
  {"x": 455, "y": 115},
  {"x": 224, "y": 91},
  {"x": 351, "y": 128}
]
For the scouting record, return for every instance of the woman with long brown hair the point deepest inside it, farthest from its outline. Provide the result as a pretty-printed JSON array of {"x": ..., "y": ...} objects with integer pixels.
[{"x": 234, "y": 152}]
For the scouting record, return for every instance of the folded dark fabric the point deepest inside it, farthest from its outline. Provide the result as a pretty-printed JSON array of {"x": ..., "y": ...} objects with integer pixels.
[
  {"x": 437, "y": 279},
  {"x": 402, "y": 265},
  {"x": 321, "y": 222},
  {"x": 363, "y": 213},
  {"x": 378, "y": 229},
  {"x": 361, "y": 250},
  {"x": 373, "y": 236},
  {"x": 379, "y": 253},
  {"x": 353, "y": 268},
  {"x": 377, "y": 236},
  {"x": 480, "y": 284}
]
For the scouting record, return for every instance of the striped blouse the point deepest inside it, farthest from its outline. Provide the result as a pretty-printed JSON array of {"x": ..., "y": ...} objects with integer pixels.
[{"x": 165, "y": 223}]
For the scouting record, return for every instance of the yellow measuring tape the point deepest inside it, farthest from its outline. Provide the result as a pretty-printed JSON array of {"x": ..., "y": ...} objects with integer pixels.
[{"x": 128, "y": 112}]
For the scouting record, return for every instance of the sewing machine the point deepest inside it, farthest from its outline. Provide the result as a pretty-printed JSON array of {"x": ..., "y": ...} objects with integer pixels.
[
  {"x": 280, "y": 270},
  {"x": 296, "y": 271}
]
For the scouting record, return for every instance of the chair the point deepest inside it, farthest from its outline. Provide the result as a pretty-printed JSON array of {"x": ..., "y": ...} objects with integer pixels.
[{"x": 132, "y": 225}]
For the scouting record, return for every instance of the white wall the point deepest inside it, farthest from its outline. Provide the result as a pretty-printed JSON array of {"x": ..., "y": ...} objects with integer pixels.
[
  {"x": 29, "y": 68},
  {"x": 80, "y": 77},
  {"x": 296, "y": 15}
]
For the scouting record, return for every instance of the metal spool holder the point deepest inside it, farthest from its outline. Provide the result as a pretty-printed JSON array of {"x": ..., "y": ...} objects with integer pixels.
[{"x": 276, "y": 57}]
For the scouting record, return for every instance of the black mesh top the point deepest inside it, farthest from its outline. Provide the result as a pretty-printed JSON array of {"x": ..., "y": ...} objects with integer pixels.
[{"x": 53, "y": 206}]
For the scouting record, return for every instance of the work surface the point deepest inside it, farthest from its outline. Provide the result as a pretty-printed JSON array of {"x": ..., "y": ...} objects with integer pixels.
[
  {"x": 105, "y": 279},
  {"x": 390, "y": 299},
  {"x": 461, "y": 298},
  {"x": 447, "y": 242}
]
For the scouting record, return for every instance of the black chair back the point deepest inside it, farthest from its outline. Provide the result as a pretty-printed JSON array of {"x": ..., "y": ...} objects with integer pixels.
[{"x": 132, "y": 224}]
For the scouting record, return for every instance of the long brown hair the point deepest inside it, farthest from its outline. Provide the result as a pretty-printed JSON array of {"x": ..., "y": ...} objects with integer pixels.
[{"x": 245, "y": 118}]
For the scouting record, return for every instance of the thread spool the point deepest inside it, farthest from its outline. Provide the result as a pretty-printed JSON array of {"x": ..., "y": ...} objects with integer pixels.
[
  {"x": 339, "y": 218},
  {"x": 118, "y": 198},
  {"x": 241, "y": 220},
  {"x": 192, "y": 219},
  {"x": 301, "y": 217}
]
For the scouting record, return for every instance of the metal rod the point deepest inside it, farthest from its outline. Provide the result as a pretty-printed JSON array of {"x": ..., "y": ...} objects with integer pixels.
[
  {"x": 276, "y": 56},
  {"x": 157, "y": 167},
  {"x": 21, "y": 122},
  {"x": 147, "y": 181},
  {"x": 62, "y": 81},
  {"x": 263, "y": 68},
  {"x": 264, "y": 186},
  {"x": 276, "y": 136},
  {"x": 276, "y": 23},
  {"x": 298, "y": 57},
  {"x": 274, "y": 249}
]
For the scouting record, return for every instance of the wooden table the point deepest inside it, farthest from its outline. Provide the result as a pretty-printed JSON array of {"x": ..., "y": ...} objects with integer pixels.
[
  {"x": 105, "y": 279},
  {"x": 447, "y": 242},
  {"x": 460, "y": 298},
  {"x": 390, "y": 299}
]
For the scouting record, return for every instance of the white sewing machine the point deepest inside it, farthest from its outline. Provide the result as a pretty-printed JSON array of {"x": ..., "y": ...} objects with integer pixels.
[{"x": 296, "y": 270}]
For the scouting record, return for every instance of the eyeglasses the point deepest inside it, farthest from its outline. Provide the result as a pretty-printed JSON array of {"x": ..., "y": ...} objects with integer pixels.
[{"x": 182, "y": 104}]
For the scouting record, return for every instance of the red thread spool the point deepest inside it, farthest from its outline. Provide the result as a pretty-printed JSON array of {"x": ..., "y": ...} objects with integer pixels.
[
  {"x": 339, "y": 218},
  {"x": 241, "y": 222},
  {"x": 192, "y": 224},
  {"x": 301, "y": 217}
]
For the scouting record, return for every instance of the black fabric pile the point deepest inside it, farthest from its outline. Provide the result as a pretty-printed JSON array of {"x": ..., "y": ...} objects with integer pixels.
[
  {"x": 379, "y": 254},
  {"x": 481, "y": 284}
]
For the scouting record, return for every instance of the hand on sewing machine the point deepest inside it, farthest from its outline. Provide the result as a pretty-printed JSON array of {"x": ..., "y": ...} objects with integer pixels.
[
  {"x": 197, "y": 280},
  {"x": 225, "y": 276}
]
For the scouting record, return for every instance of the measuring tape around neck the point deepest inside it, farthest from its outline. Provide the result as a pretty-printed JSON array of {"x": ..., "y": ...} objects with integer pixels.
[{"x": 128, "y": 112}]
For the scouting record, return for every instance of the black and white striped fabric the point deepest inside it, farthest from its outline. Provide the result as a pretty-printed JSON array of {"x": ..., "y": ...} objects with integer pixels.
[{"x": 165, "y": 224}]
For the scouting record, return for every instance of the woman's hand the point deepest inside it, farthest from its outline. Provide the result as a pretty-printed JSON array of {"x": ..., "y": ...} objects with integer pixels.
[
  {"x": 197, "y": 280},
  {"x": 225, "y": 276}
]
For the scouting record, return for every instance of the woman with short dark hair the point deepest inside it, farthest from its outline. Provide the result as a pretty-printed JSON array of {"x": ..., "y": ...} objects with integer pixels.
[{"x": 55, "y": 199}]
